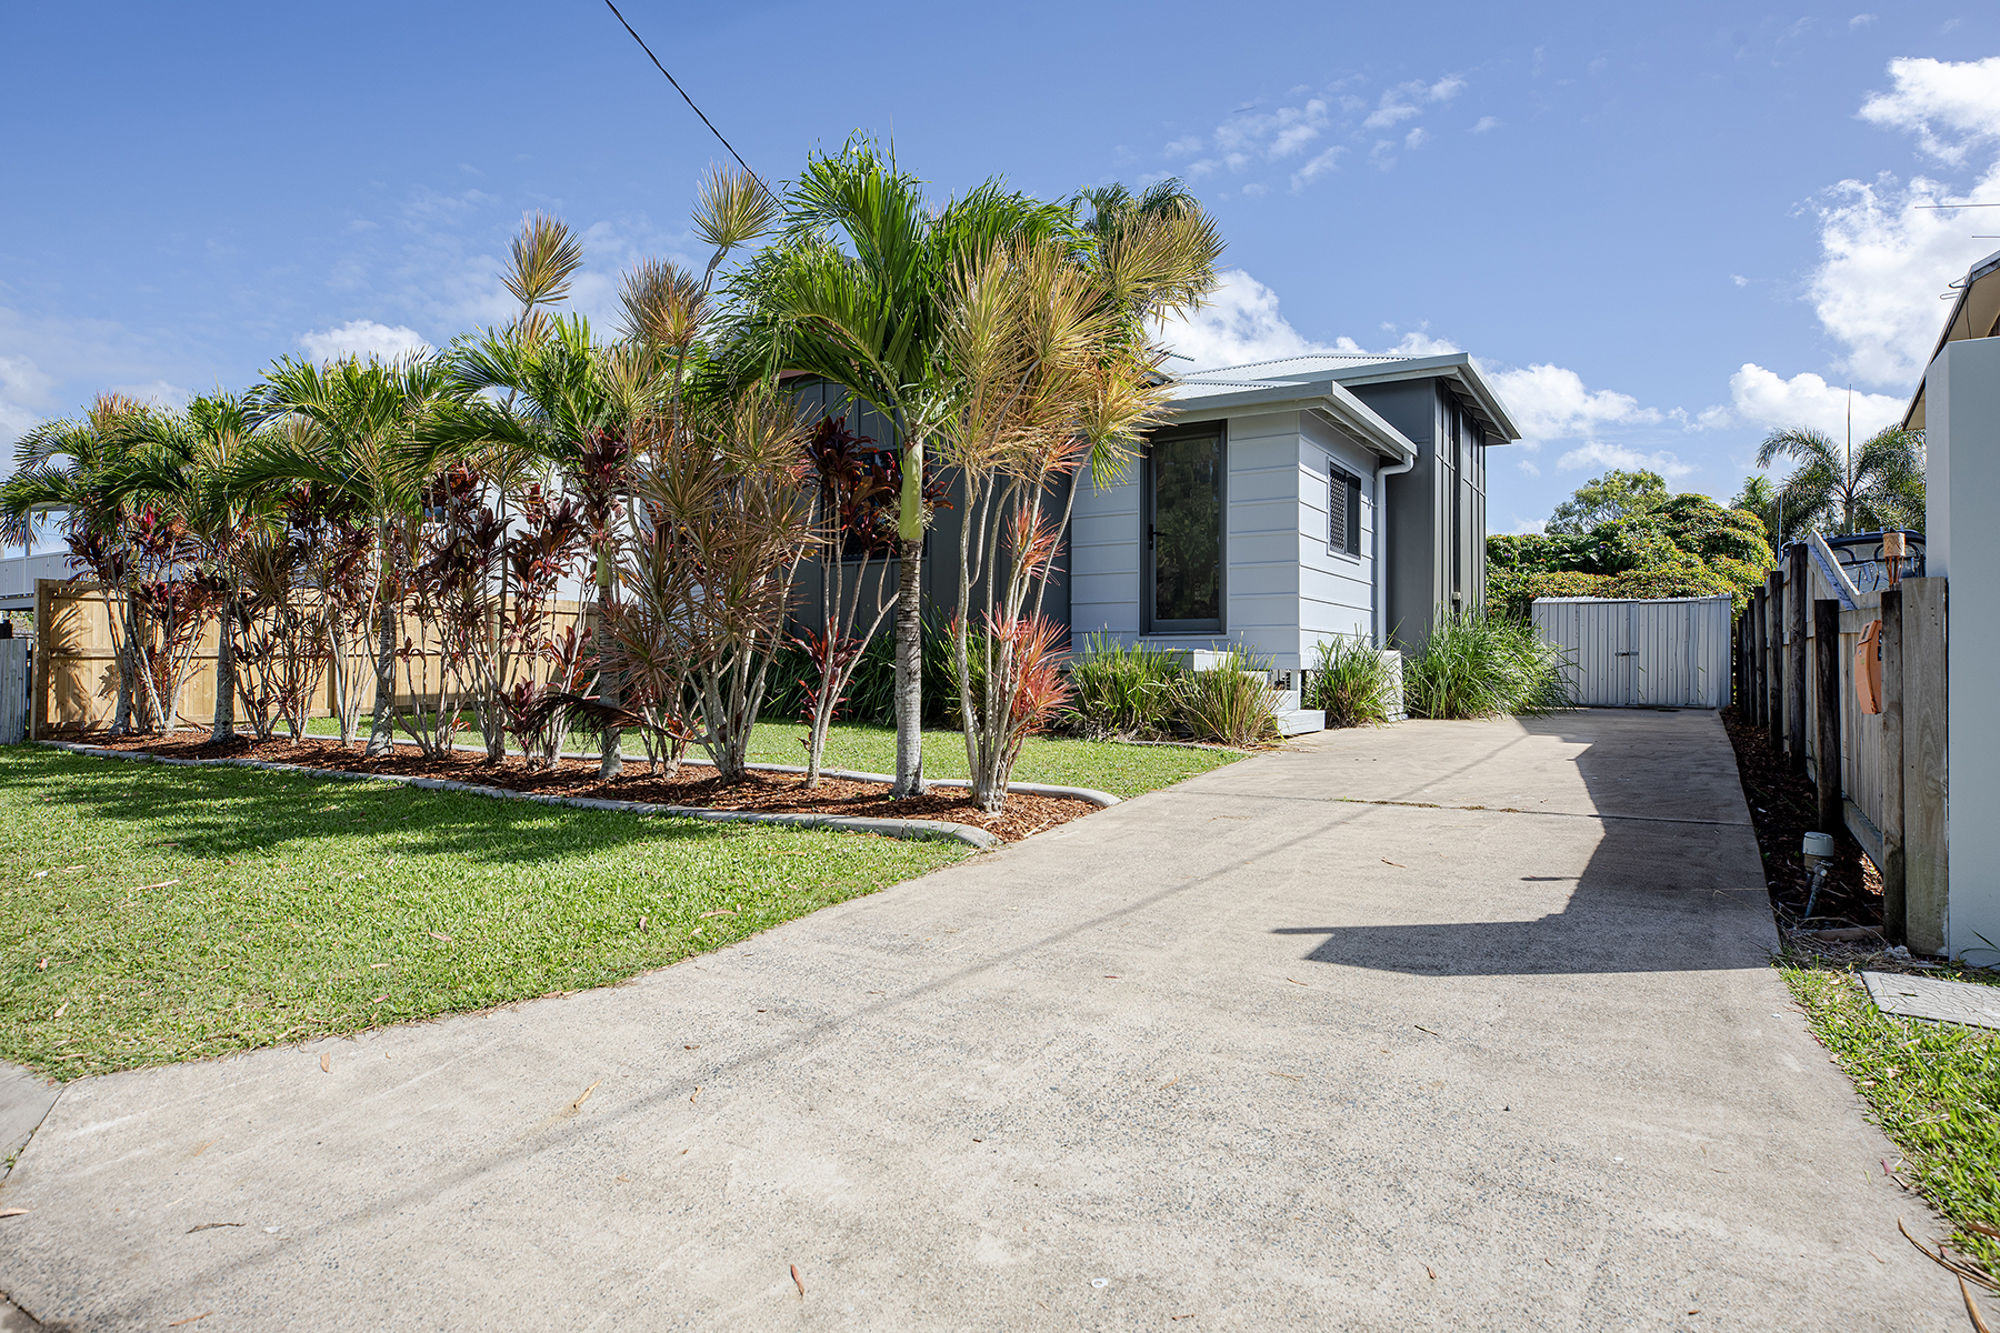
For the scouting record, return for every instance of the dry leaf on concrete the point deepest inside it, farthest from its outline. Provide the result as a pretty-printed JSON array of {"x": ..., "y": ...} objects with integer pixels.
[{"x": 325, "y": 1063}]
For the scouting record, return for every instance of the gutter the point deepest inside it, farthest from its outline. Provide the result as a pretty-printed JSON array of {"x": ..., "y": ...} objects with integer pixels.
[{"x": 1381, "y": 561}]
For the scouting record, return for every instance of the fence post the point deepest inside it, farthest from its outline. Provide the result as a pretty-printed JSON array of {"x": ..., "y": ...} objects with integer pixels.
[
  {"x": 1759, "y": 700},
  {"x": 38, "y": 668},
  {"x": 1892, "y": 765},
  {"x": 1774, "y": 661},
  {"x": 1926, "y": 872},
  {"x": 1826, "y": 689},
  {"x": 1796, "y": 595}
]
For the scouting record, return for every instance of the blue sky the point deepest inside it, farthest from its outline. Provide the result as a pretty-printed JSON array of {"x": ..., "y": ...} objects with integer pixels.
[{"x": 1662, "y": 230}]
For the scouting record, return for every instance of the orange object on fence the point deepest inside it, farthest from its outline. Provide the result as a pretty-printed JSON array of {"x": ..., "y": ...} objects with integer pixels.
[{"x": 1868, "y": 668}]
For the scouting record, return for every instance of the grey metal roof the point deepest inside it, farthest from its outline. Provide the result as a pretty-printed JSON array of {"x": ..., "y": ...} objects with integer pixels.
[{"x": 1348, "y": 368}]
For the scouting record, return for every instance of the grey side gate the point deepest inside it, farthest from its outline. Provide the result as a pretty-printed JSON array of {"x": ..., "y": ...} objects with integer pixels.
[{"x": 1669, "y": 652}]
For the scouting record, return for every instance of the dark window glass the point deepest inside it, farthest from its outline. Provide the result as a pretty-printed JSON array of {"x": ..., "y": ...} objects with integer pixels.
[{"x": 1185, "y": 499}]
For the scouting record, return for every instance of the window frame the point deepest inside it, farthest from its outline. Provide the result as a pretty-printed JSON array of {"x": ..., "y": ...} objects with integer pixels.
[{"x": 1343, "y": 495}]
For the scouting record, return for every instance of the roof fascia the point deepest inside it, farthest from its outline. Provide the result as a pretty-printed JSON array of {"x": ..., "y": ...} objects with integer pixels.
[
  {"x": 1451, "y": 365},
  {"x": 1327, "y": 397}
]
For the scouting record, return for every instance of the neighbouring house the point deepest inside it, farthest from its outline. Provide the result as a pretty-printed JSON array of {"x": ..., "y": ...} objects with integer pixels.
[{"x": 1286, "y": 503}]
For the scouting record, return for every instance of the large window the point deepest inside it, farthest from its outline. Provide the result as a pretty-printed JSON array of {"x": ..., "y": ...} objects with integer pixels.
[
  {"x": 1183, "y": 531},
  {"x": 1343, "y": 511}
]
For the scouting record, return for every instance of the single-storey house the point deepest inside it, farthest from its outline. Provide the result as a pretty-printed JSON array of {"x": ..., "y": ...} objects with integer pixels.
[
  {"x": 1293, "y": 501},
  {"x": 1286, "y": 503}
]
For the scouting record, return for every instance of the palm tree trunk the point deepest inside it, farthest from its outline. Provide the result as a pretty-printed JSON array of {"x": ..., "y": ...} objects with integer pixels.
[
  {"x": 612, "y": 760},
  {"x": 223, "y": 726},
  {"x": 382, "y": 726},
  {"x": 121, "y": 720},
  {"x": 910, "y": 670}
]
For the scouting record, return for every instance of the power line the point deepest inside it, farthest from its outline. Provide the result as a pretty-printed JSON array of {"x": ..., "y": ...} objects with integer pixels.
[{"x": 685, "y": 98}]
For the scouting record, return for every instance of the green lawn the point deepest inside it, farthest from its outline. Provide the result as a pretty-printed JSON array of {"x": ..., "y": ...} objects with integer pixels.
[
  {"x": 1934, "y": 1088},
  {"x": 150, "y": 914},
  {"x": 1122, "y": 770}
]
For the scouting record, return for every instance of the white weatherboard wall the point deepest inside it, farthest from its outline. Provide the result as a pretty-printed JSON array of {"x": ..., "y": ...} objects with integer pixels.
[
  {"x": 1627, "y": 653},
  {"x": 1962, "y": 410},
  {"x": 1283, "y": 591},
  {"x": 1336, "y": 590}
]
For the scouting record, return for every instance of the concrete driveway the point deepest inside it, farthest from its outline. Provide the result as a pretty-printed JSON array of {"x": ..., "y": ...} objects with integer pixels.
[{"x": 1501, "y": 1051}]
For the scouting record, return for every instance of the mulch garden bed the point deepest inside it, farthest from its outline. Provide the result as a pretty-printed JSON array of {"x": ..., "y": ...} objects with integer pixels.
[
  {"x": 769, "y": 793},
  {"x": 1785, "y": 807}
]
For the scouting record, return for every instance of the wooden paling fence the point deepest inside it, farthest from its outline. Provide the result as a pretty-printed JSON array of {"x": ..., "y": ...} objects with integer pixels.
[
  {"x": 1799, "y": 651},
  {"x": 75, "y": 687}
]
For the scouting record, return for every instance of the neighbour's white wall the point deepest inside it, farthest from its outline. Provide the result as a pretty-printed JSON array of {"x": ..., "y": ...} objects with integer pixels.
[
  {"x": 1336, "y": 590},
  {"x": 1962, "y": 411}
]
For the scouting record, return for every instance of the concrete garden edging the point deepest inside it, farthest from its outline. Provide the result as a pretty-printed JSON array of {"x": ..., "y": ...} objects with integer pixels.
[
  {"x": 1101, "y": 799},
  {"x": 932, "y": 829}
]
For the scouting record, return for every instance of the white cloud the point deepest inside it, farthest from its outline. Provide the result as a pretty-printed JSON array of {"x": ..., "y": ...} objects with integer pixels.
[
  {"x": 157, "y": 392},
  {"x": 1407, "y": 100},
  {"x": 1526, "y": 526},
  {"x": 1739, "y": 280},
  {"x": 1885, "y": 257},
  {"x": 1326, "y": 160},
  {"x": 1252, "y": 137},
  {"x": 1596, "y": 454},
  {"x": 1860, "y": 21},
  {"x": 1553, "y": 403},
  {"x": 1240, "y": 323},
  {"x": 1486, "y": 125},
  {"x": 1763, "y": 398},
  {"x": 362, "y": 339},
  {"x": 1952, "y": 106}
]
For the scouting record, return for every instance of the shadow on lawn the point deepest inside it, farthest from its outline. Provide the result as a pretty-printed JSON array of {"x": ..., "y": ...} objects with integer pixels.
[{"x": 223, "y": 811}]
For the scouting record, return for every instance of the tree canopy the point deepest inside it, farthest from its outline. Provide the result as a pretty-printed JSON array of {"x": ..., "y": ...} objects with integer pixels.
[
  {"x": 1683, "y": 546},
  {"x": 1616, "y": 494}
]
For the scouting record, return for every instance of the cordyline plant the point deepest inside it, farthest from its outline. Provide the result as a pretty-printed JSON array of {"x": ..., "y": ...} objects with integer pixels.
[
  {"x": 856, "y": 486},
  {"x": 360, "y": 432},
  {"x": 184, "y": 463},
  {"x": 1048, "y": 343},
  {"x": 295, "y": 619},
  {"x": 724, "y": 520}
]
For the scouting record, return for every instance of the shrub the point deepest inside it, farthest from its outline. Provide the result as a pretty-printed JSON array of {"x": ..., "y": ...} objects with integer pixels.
[
  {"x": 1515, "y": 590},
  {"x": 871, "y": 691},
  {"x": 1231, "y": 704},
  {"x": 1483, "y": 664},
  {"x": 1121, "y": 691},
  {"x": 1351, "y": 682}
]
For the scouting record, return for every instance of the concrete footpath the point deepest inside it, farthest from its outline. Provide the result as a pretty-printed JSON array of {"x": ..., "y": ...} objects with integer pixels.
[{"x": 1253, "y": 1052}]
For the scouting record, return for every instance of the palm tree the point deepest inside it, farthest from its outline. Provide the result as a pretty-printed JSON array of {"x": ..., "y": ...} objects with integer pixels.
[
  {"x": 1759, "y": 496},
  {"x": 68, "y": 465},
  {"x": 1050, "y": 346},
  {"x": 858, "y": 293},
  {"x": 367, "y": 441},
  {"x": 1840, "y": 488},
  {"x": 186, "y": 461},
  {"x": 571, "y": 403}
]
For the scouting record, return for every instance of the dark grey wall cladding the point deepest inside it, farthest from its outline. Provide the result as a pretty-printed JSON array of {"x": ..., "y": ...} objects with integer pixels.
[{"x": 940, "y": 576}]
